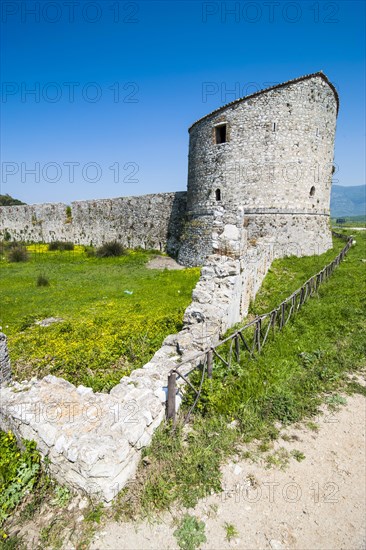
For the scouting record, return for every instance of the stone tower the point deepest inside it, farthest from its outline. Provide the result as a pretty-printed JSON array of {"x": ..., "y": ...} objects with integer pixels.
[{"x": 261, "y": 166}]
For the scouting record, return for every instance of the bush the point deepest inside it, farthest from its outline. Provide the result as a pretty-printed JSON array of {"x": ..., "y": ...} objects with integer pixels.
[
  {"x": 68, "y": 214},
  {"x": 59, "y": 245},
  {"x": 18, "y": 253},
  {"x": 89, "y": 251},
  {"x": 42, "y": 280},
  {"x": 110, "y": 249}
]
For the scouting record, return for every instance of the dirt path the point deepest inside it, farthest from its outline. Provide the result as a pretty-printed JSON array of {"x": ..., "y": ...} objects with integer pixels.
[
  {"x": 163, "y": 262},
  {"x": 318, "y": 502}
]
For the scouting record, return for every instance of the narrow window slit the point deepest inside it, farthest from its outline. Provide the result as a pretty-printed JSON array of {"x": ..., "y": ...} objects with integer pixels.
[{"x": 220, "y": 134}]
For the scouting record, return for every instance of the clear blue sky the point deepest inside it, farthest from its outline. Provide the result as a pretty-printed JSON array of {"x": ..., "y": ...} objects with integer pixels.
[{"x": 159, "y": 55}]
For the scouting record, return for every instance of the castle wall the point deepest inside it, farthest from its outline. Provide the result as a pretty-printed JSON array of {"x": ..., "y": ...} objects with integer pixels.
[
  {"x": 276, "y": 165},
  {"x": 149, "y": 221}
]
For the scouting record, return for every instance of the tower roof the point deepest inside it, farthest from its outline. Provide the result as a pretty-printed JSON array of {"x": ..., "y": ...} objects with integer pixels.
[{"x": 319, "y": 74}]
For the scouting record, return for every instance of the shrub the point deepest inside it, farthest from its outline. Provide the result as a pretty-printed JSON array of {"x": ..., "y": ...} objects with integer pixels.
[
  {"x": 110, "y": 249},
  {"x": 18, "y": 253},
  {"x": 68, "y": 214},
  {"x": 89, "y": 251},
  {"x": 42, "y": 280},
  {"x": 59, "y": 245}
]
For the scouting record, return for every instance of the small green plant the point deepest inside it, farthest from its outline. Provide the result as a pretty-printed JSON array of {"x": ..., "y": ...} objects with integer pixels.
[
  {"x": 13, "y": 542},
  {"x": 279, "y": 459},
  {"x": 230, "y": 531},
  {"x": 312, "y": 426},
  {"x": 18, "y": 253},
  {"x": 95, "y": 513},
  {"x": 19, "y": 472},
  {"x": 42, "y": 280},
  {"x": 190, "y": 533},
  {"x": 110, "y": 249},
  {"x": 62, "y": 496},
  {"x": 298, "y": 455},
  {"x": 264, "y": 446},
  {"x": 334, "y": 401}
]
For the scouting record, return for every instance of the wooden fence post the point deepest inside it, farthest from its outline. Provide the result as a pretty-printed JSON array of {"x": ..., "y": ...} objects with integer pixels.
[
  {"x": 209, "y": 363},
  {"x": 237, "y": 348},
  {"x": 172, "y": 391},
  {"x": 258, "y": 335},
  {"x": 282, "y": 320}
]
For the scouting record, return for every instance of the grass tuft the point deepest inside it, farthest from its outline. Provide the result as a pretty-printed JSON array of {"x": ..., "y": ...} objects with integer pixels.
[
  {"x": 112, "y": 249},
  {"x": 18, "y": 253},
  {"x": 42, "y": 280}
]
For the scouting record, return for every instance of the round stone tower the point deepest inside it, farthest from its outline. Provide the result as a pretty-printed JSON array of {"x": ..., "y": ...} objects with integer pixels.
[{"x": 261, "y": 166}]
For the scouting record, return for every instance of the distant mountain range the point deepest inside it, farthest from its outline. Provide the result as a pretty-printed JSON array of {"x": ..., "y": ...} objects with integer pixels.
[{"x": 348, "y": 201}]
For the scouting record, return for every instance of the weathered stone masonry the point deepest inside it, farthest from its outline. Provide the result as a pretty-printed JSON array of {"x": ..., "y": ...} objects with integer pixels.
[
  {"x": 269, "y": 155},
  {"x": 5, "y": 369},
  {"x": 149, "y": 221},
  {"x": 233, "y": 220}
]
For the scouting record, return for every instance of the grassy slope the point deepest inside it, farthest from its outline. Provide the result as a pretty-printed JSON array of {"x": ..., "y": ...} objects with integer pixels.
[
  {"x": 310, "y": 358},
  {"x": 287, "y": 275},
  {"x": 105, "y": 332}
]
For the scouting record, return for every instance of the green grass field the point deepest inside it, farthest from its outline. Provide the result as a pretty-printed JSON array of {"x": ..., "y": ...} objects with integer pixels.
[{"x": 105, "y": 332}]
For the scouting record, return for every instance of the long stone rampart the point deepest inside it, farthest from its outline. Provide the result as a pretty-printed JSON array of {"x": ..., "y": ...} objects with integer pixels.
[{"x": 149, "y": 221}]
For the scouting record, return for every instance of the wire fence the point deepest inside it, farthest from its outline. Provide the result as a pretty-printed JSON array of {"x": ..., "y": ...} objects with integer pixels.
[{"x": 249, "y": 339}]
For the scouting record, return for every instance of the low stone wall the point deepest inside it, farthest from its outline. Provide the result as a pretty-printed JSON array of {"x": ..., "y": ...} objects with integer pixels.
[
  {"x": 148, "y": 221},
  {"x": 94, "y": 440},
  {"x": 5, "y": 369}
]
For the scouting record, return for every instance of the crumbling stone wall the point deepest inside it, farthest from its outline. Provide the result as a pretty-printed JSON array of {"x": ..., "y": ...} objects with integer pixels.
[
  {"x": 149, "y": 221},
  {"x": 94, "y": 440}
]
